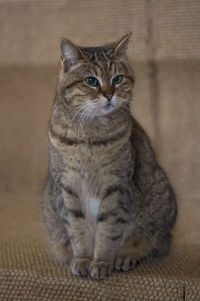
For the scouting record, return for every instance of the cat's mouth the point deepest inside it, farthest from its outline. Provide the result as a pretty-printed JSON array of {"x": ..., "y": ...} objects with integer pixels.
[{"x": 108, "y": 106}]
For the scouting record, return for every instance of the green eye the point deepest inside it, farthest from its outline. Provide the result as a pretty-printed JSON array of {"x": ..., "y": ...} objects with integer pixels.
[
  {"x": 117, "y": 79},
  {"x": 91, "y": 81}
]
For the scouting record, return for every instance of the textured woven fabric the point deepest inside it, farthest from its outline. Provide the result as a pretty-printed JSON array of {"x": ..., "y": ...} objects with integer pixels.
[
  {"x": 165, "y": 54},
  {"x": 31, "y": 29},
  {"x": 28, "y": 270}
]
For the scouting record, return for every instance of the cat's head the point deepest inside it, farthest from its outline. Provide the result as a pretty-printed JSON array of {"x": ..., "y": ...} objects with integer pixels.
[{"x": 95, "y": 81}]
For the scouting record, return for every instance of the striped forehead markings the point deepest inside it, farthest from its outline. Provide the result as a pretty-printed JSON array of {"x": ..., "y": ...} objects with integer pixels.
[{"x": 104, "y": 66}]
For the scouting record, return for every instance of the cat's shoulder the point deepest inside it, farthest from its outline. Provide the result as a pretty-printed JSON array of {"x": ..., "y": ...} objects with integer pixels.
[{"x": 138, "y": 133}]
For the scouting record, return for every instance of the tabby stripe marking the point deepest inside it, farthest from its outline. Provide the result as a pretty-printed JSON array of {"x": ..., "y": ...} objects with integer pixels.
[
  {"x": 69, "y": 190},
  {"x": 104, "y": 216},
  {"x": 116, "y": 237},
  {"x": 70, "y": 141},
  {"x": 71, "y": 85},
  {"x": 123, "y": 207},
  {"x": 75, "y": 212},
  {"x": 114, "y": 188},
  {"x": 64, "y": 139},
  {"x": 121, "y": 220},
  {"x": 109, "y": 139},
  {"x": 130, "y": 78}
]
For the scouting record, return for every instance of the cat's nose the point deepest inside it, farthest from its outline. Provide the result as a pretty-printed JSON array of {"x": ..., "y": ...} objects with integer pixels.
[{"x": 108, "y": 96}]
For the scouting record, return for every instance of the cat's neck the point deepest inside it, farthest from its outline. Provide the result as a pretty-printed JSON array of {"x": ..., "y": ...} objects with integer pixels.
[{"x": 96, "y": 129}]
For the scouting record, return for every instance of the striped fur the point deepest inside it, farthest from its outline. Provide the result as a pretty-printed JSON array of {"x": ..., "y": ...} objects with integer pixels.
[{"x": 107, "y": 202}]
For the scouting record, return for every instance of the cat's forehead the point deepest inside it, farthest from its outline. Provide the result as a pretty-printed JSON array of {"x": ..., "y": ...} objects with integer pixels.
[
  {"x": 102, "y": 61},
  {"x": 99, "y": 51},
  {"x": 97, "y": 54}
]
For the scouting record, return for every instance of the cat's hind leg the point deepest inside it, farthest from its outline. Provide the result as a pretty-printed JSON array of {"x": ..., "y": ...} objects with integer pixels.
[
  {"x": 163, "y": 244},
  {"x": 132, "y": 252}
]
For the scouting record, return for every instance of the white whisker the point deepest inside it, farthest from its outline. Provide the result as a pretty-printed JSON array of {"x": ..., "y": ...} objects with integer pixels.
[{"x": 84, "y": 117}]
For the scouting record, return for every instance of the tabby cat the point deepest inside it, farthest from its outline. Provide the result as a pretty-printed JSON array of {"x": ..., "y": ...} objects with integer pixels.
[{"x": 107, "y": 202}]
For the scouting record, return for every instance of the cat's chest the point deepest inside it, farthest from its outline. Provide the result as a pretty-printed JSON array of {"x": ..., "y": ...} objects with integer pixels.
[
  {"x": 90, "y": 206},
  {"x": 88, "y": 182},
  {"x": 82, "y": 169},
  {"x": 90, "y": 169},
  {"x": 84, "y": 161}
]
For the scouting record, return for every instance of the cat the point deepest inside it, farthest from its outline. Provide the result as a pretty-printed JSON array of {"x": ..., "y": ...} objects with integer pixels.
[{"x": 107, "y": 202}]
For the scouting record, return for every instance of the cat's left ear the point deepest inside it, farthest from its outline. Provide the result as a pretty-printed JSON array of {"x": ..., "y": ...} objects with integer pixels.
[
  {"x": 70, "y": 54},
  {"x": 119, "y": 48}
]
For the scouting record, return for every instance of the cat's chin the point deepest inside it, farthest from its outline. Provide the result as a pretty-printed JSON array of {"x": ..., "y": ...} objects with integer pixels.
[{"x": 108, "y": 108}]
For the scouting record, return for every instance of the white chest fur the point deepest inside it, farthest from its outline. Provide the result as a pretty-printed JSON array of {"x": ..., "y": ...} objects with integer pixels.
[{"x": 92, "y": 205}]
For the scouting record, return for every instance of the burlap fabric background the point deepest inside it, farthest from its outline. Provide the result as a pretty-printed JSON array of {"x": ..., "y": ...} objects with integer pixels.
[{"x": 164, "y": 51}]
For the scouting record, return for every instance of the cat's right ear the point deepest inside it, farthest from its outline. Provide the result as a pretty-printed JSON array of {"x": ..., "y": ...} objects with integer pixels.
[
  {"x": 119, "y": 48},
  {"x": 70, "y": 54}
]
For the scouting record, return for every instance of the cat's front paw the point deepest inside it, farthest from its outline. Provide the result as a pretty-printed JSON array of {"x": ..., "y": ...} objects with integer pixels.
[
  {"x": 124, "y": 263},
  {"x": 100, "y": 269},
  {"x": 80, "y": 266}
]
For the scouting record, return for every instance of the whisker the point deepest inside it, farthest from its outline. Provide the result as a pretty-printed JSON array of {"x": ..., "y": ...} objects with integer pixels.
[
  {"x": 84, "y": 118},
  {"x": 87, "y": 112}
]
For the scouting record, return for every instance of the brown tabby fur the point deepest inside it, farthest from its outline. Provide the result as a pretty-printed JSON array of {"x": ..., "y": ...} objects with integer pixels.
[{"x": 107, "y": 202}]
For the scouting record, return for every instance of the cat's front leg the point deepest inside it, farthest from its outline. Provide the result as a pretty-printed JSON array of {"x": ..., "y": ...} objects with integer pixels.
[
  {"x": 78, "y": 231},
  {"x": 113, "y": 225}
]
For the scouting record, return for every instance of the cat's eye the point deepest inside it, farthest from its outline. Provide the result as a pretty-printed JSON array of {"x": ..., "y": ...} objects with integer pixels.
[
  {"x": 117, "y": 79},
  {"x": 91, "y": 81}
]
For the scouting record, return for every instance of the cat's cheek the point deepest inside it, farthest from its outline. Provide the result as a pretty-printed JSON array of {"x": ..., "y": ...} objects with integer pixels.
[{"x": 116, "y": 103}]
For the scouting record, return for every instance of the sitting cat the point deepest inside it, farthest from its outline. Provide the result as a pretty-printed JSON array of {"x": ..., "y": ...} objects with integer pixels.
[{"x": 107, "y": 203}]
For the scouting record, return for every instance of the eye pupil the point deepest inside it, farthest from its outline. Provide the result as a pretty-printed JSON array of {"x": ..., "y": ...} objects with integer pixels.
[
  {"x": 117, "y": 79},
  {"x": 91, "y": 81}
]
